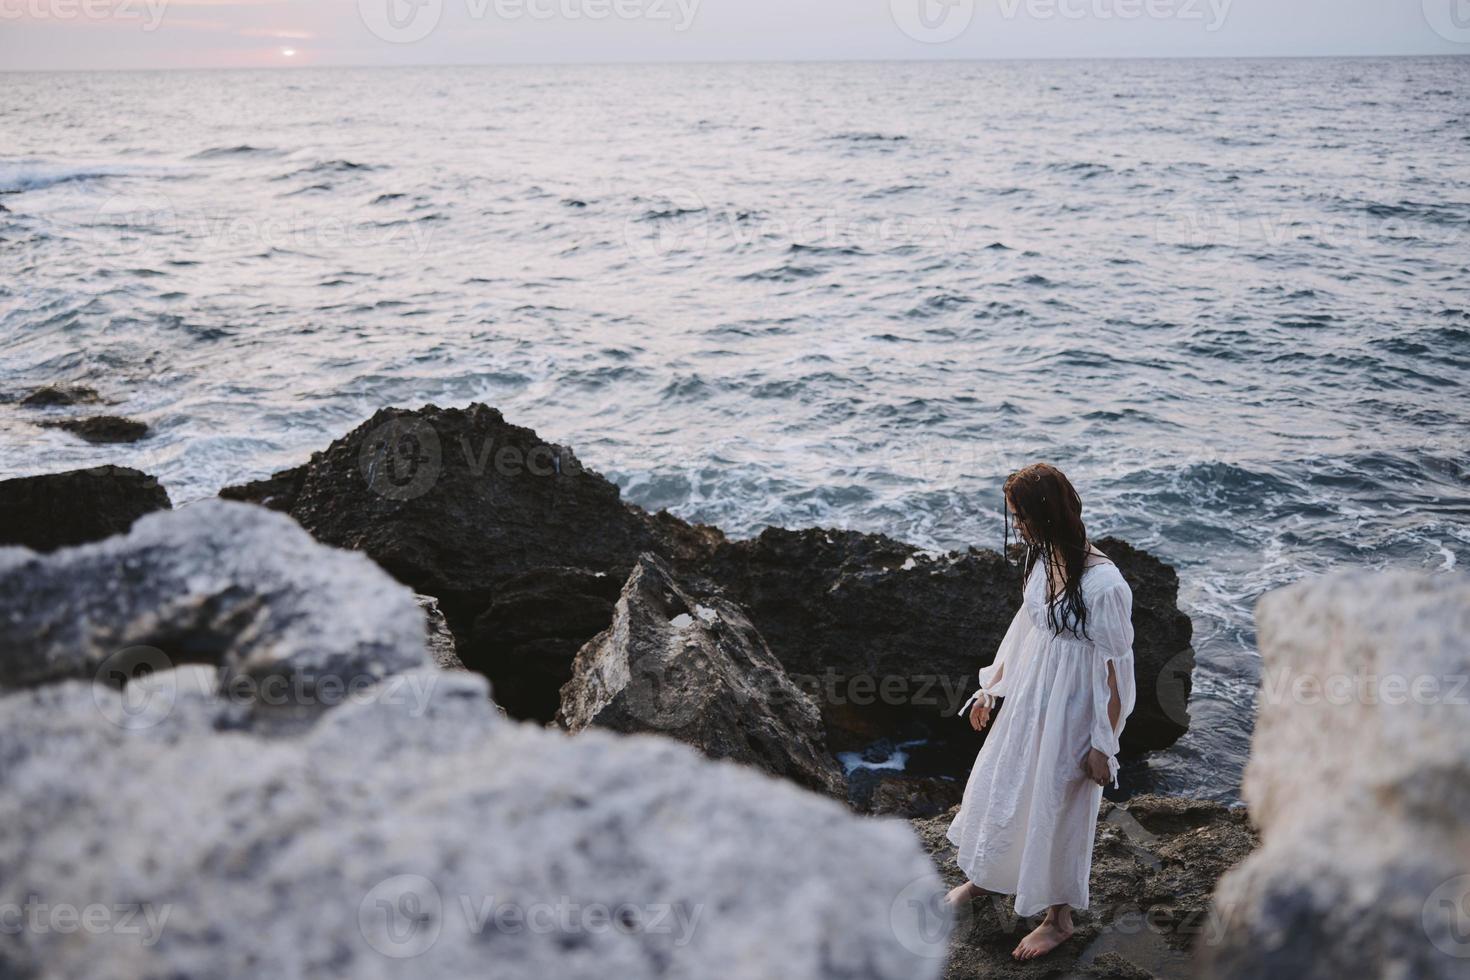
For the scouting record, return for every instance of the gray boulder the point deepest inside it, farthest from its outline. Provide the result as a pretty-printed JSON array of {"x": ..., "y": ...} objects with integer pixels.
[
  {"x": 220, "y": 583},
  {"x": 1359, "y": 780},
  {"x": 692, "y": 666},
  {"x": 418, "y": 834}
]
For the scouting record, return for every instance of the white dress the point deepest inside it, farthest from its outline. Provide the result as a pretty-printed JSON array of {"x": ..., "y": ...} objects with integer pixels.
[{"x": 1029, "y": 815}]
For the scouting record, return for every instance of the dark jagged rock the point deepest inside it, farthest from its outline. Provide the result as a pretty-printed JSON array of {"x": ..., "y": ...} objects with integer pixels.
[
  {"x": 509, "y": 532},
  {"x": 887, "y": 638},
  {"x": 102, "y": 428},
  {"x": 890, "y": 794},
  {"x": 1155, "y": 865},
  {"x": 1163, "y": 660},
  {"x": 58, "y": 510},
  {"x": 455, "y": 502},
  {"x": 277, "y": 491},
  {"x": 49, "y": 396},
  {"x": 691, "y": 666},
  {"x": 530, "y": 634},
  {"x": 847, "y": 612}
]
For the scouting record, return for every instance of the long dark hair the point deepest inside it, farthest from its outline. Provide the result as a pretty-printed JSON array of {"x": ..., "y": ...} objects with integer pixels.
[{"x": 1051, "y": 512}]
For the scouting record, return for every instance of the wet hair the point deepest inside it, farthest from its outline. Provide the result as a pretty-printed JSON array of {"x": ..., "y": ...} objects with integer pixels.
[{"x": 1050, "y": 512}]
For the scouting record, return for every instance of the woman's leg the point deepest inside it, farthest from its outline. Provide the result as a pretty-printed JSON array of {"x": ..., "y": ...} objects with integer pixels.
[{"x": 1055, "y": 929}]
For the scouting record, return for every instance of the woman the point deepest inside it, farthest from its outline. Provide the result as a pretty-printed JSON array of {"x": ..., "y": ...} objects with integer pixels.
[{"x": 1065, "y": 670}]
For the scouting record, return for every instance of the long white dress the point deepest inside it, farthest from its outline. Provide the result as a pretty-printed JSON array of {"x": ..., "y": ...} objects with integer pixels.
[{"x": 1029, "y": 815}]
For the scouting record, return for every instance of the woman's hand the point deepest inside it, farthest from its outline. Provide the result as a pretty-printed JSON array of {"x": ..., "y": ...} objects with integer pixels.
[
  {"x": 979, "y": 715},
  {"x": 1096, "y": 767}
]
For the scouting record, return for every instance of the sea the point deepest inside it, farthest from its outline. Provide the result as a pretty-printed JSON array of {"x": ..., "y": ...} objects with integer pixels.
[{"x": 1230, "y": 298}]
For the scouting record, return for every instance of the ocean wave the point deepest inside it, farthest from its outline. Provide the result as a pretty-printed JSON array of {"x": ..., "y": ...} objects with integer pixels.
[
  {"x": 239, "y": 150},
  {"x": 329, "y": 167},
  {"x": 868, "y": 137},
  {"x": 19, "y": 176}
]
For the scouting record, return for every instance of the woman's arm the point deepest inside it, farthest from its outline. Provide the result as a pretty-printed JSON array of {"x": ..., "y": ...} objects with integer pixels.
[
  {"x": 1115, "y": 701},
  {"x": 1112, "y": 695}
]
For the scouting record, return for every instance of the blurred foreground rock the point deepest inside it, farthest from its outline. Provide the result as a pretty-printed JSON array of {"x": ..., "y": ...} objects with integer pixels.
[
  {"x": 417, "y": 834},
  {"x": 216, "y": 582},
  {"x": 1359, "y": 779}
]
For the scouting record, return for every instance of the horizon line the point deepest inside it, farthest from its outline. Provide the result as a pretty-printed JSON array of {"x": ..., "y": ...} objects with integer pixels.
[{"x": 745, "y": 61}]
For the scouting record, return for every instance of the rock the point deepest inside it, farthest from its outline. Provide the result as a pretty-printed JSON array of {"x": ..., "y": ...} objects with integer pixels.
[
  {"x": 491, "y": 520},
  {"x": 439, "y": 640},
  {"x": 49, "y": 396},
  {"x": 1155, "y": 864},
  {"x": 277, "y": 492},
  {"x": 1113, "y": 966},
  {"x": 457, "y": 501},
  {"x": 218, "y": 583},
  {"x": 891, "y": 637},
  {"x": 403, "y": 838},
  {"x": 1163, "y": 660},
  {"x": 529, "y": 635},
  {"x": 102, "y": 428},
  {"x": 1359, "y": 779},
  {"x": 878, "y": 792},
  {"x": 692, "y": 666},
  {"x": 525, "y": 549},
  {"x": 57, "y": 510}
]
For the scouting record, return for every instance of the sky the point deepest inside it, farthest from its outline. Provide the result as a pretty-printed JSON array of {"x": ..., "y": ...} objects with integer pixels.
[{"x": 83, "y": 34}]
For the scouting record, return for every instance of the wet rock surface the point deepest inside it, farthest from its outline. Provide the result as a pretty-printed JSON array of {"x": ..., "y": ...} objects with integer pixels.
[
  {"x": 1155, "y": 864},
  {"x": 56, "y": 510},
  {"x": 1359, "y": 778},
  {"x": 692, "y": 666}
]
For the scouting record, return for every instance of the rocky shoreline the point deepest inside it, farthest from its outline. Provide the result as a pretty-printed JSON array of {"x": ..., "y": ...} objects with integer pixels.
[
  {"x": 281, "y": 718},
  {"x": 527, "y": 552}
]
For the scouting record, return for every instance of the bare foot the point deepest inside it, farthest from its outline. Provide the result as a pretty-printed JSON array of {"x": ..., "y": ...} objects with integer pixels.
[
  {"x": 967, "y": 892},
  {"x": 1043, "y": 939}
]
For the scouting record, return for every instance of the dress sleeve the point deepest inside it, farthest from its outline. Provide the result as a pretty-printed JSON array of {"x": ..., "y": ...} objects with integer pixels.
[
  {"x": 1110, "y": 623},
  {"x": 991, "y": 687}
]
